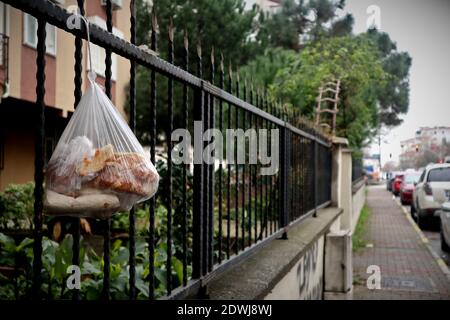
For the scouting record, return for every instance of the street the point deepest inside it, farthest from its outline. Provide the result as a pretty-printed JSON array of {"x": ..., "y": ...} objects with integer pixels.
[{"x": 433, "y": 237}]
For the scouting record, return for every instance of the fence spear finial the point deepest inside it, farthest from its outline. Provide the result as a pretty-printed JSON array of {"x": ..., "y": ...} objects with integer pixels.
[
  {"x": 154, "y": 21},
  {"x": 171, "y": 29},
  {"x": 186, "y": 40},
  {"x": 199, "y": 49}
]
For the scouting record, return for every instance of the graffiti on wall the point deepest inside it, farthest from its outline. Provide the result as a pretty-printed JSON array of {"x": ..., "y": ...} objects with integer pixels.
[{"x": 310, "y": 272}]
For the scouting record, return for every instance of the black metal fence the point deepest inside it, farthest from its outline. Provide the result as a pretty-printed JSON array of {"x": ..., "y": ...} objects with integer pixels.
[
  {"x": 228, "y": 210},
  {"x": 357, "y": 169}
]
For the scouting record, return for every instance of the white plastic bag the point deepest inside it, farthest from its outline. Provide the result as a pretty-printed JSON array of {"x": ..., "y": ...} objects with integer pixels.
[{"x": 98, "y": 167}]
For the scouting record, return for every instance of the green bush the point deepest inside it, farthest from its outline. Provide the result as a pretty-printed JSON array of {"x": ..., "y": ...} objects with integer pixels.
[
  {"x": 16, "y": 206},
  {"x": 56, "y": 257}
]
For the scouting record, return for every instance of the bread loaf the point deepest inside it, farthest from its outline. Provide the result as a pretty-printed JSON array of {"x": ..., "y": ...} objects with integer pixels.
[{"x": 99, "y": 205}]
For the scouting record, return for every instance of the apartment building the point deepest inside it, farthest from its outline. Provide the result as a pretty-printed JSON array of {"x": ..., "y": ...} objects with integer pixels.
[
  {"x": 431, "y": 138},
  {"x": 18, "y": 35}
]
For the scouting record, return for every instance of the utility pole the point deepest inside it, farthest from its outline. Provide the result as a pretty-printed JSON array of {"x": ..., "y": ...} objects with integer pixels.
[{"x": 379, "y": 148}]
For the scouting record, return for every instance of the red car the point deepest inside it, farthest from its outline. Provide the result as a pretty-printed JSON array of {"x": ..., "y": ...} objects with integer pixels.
[
  {"x": 397, "y": 184},
  {"x": 407, "y": 187}
]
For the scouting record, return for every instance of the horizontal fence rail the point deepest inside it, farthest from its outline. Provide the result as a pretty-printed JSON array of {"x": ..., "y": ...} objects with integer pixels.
[{"x": 206, "y": 217}]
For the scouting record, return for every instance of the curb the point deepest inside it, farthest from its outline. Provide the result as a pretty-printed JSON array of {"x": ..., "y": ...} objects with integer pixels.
[{"x": 444, "y": 268}]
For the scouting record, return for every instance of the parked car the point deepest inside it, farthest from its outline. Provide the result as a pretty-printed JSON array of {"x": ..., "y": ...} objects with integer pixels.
[
  {"x": 390, "y": 180},
  {"x": 397, "y": 183},
  {"x": 407, "y": 186},
  {"x": 445, "y": 227},
  {"x": 434, "y": 179}
]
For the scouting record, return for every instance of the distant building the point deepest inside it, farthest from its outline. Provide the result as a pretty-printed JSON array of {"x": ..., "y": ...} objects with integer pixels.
[{"x": 431, "y": 138}]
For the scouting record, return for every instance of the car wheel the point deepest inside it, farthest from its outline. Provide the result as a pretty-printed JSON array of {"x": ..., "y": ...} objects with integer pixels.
[
  {"x": 444, "y": 246},
  {"x": 422, "y": 222},
  {"x": 413, "y": 211}
]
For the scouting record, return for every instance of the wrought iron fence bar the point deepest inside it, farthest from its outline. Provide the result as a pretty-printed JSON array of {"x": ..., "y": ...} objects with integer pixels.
[
  {"x": 316, "y": 176},
  {"x": 107, "y": 261},
  {"x": 266, "y": 178},
  {"x": 78, "y": 81},
  {"x": 271, "y": 178},
  {"x": 261, "y": 200},
  {"x": 244, "y": 182},
  {"x": 303, "y": 172},
  {"x": 197, "y": 211},
  {"x": 250, "y": 177},
  {"x": 236, "y": 173},
  {"x": 153, "y": 137},
  {"x": 221, "y": 85},
  {"x": 206, "y": 188},
  {"x": 39, "y": 159},
  {"x": 284, "y": 176},
  {"x": 211, "y": 179},
  {"x": 107, "y": 223},
  {"x": 132, "y": 98},
  {"x": 184, "y": 227},
  {"x": 169, "y": 161},
  {"x": 255, "y": 176},
  {"x": 229, "y": 85}
]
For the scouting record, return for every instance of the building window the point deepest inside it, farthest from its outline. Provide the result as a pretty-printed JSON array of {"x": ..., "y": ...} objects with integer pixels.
[
  {"x": 99, "y": 54},
  {"x": 30, "y": 34}
]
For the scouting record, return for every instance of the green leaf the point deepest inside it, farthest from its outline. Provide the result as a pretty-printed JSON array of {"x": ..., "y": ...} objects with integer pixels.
[
  {"x": 121, "y": 257},
  {"x": 161, "y": 275},
  {"x": 7, "y": 242},
  {"x": 25, "y": 243},
  {"x": 90, "y": 268},
  {"x": 178, "y": 267},
  {"x": 142, "y": 287}
]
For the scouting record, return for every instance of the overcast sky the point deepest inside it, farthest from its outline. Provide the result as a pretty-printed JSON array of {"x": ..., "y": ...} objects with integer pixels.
[{"x": 421, "y": 27}]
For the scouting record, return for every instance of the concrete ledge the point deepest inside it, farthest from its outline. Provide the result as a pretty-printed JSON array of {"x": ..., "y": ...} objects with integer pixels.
[
  {"x": 256, "y": 276},
  {"x": 358, "y": 184},
  {"x": 341, "y": 141}
]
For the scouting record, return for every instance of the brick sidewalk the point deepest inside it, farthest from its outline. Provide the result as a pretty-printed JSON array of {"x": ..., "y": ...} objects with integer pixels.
[{"x": 408, "y": 269}]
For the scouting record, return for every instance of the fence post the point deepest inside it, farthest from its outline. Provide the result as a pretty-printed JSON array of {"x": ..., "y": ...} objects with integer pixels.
[
  {"x": 284, "y": 178},
  {"x": 316, "y": 182}
]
